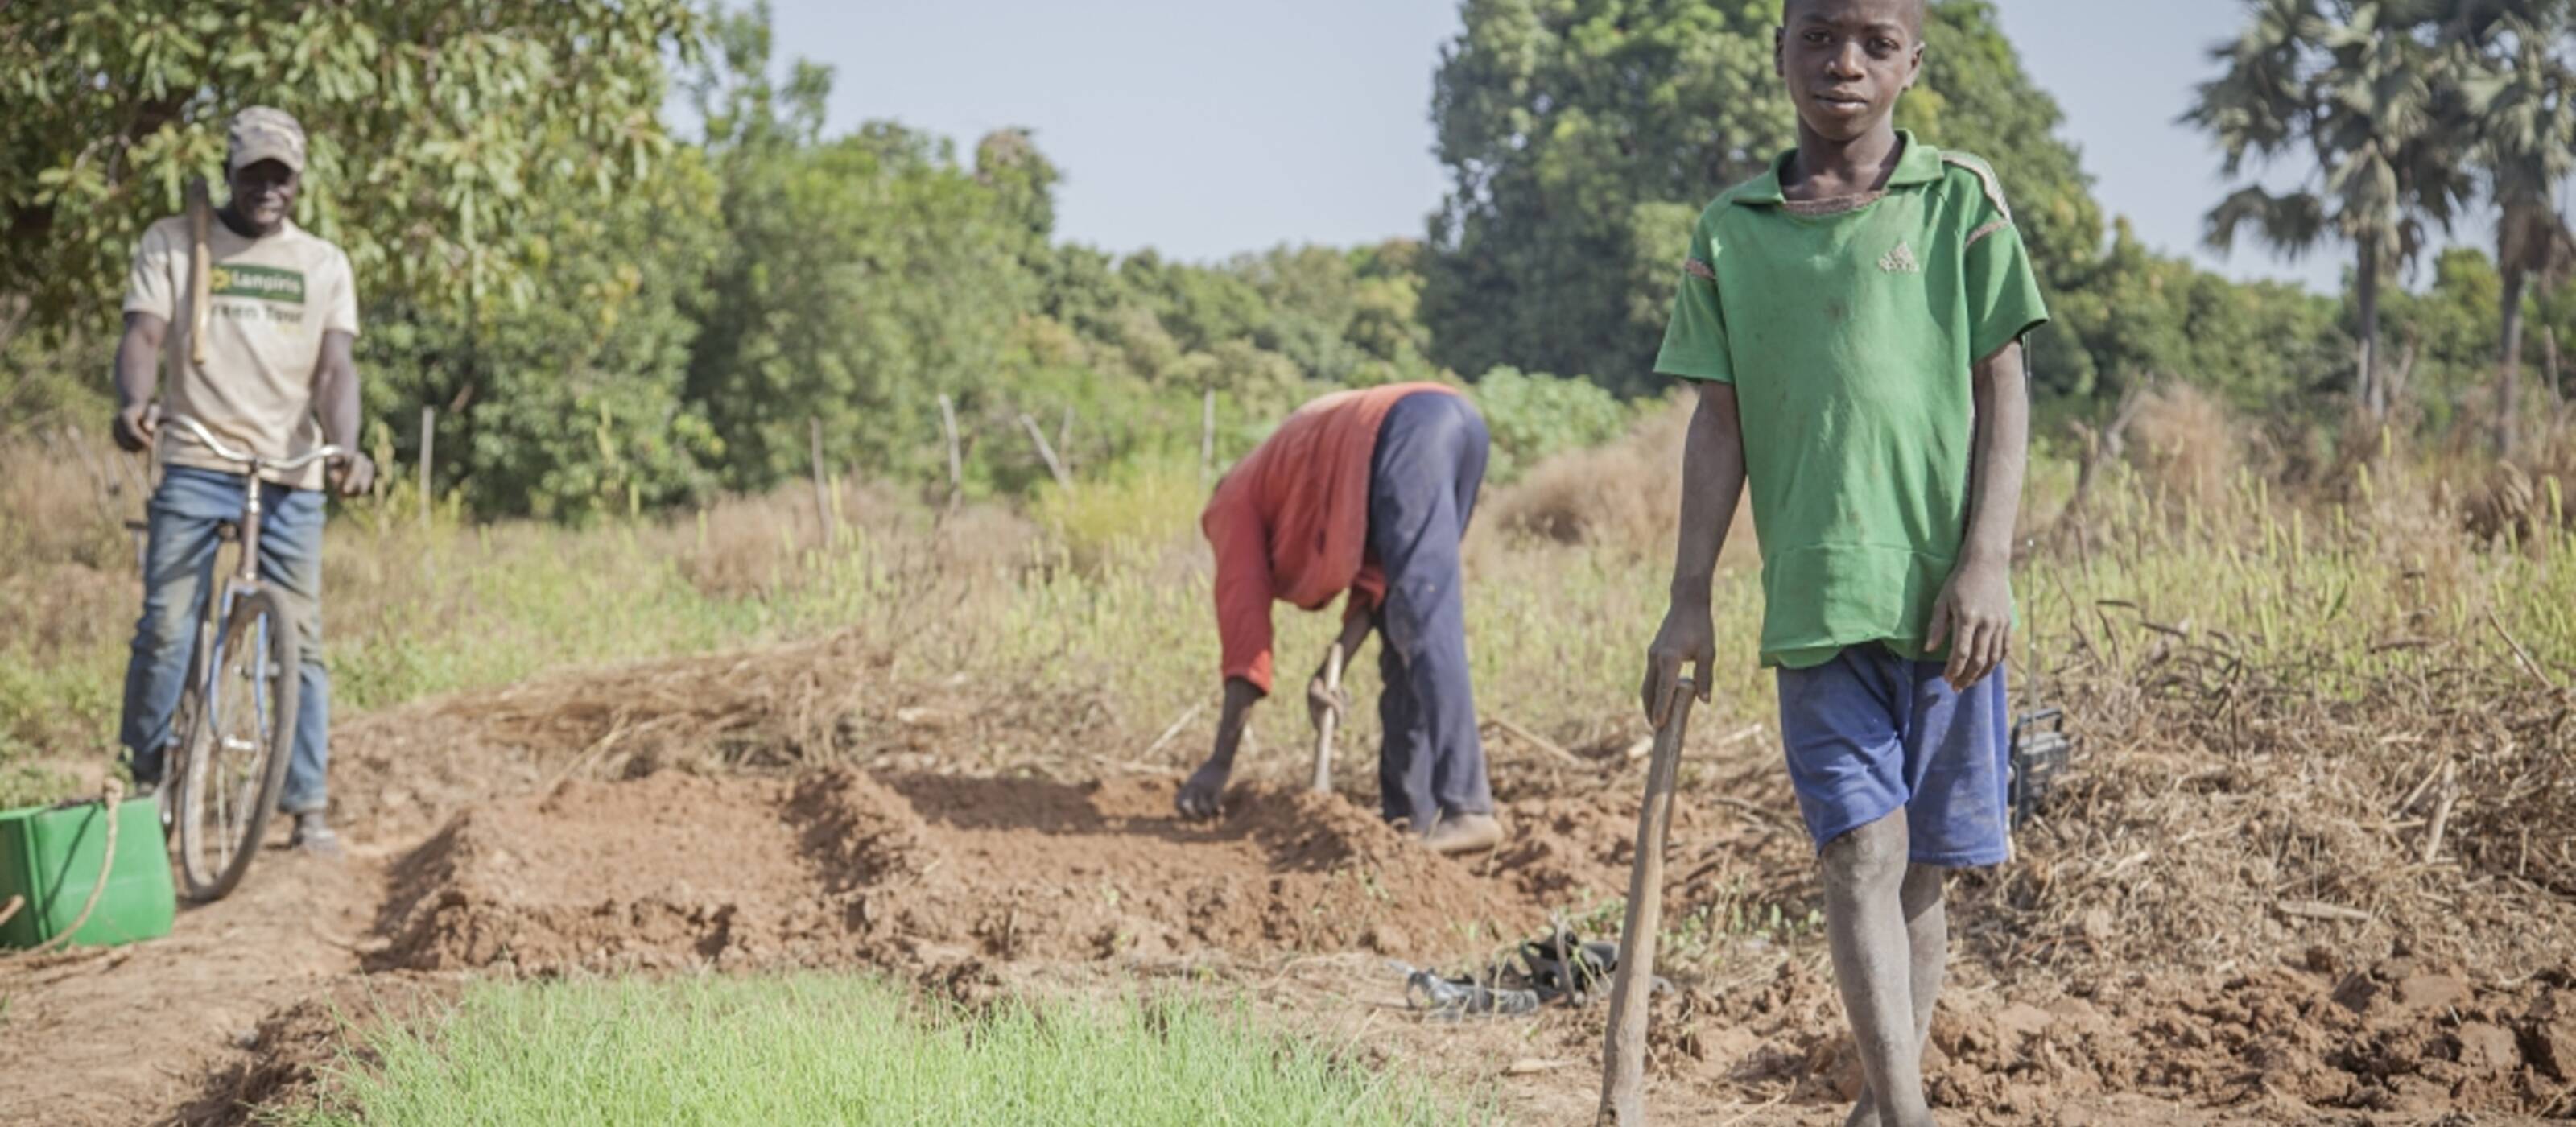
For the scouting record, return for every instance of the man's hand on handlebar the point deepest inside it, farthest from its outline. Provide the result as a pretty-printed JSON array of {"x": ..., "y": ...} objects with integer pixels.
[
  {"x": 136, "y": 424},
  {"x": 353, "y": 474}
]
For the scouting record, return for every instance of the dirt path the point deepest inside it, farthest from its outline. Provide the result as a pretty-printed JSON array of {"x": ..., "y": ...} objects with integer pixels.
[
  {"x": 473, "y": 855},
  {"x": 132, "y": 1035}
]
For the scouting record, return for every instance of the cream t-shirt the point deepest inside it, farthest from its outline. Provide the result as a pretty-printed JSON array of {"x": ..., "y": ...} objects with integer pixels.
[{"x": 269, "y": 301}]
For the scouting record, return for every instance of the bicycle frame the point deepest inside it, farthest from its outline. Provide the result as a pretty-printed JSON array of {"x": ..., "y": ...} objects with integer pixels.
[
  {"x": 219, "y": 610},
  {"x": 244, "y": 578},
  {"x": 252, "y": 465},
  {"x": 209, "y": 656}
]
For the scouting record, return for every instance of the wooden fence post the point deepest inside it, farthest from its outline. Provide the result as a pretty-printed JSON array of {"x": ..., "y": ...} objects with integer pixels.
[
  {"x": 956, "y": 465},
  {"x": 1207, "y": 438},
  {"x": 428, "y": 459},
  {"x": 822, "y": 492},
  {"x": 1046, "y": 453}
]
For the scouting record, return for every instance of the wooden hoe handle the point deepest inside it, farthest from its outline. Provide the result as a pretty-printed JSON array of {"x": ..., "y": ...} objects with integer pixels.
[
  {"x": 201, "y": 214},
  {"x": 1623, "y": 1054},
  {"x": 1323, "y": 782}
]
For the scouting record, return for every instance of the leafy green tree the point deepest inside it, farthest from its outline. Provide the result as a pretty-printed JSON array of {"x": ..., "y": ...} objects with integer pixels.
[
  {"x": 2442, "y": 341},
  {"x": 1310, "y": 294},
  {"x": 432, "y": 126},
  {"x": 2144, "y": 317},
  {"x": 42, "y": 384},
  {"x": 2355, "y": 87},
  {"x": 861, "y": 276},
  {"x": 571, "y": 405},
  {"x": 1583, "y": 136},
  {"x": 1022, "y": 178},
  {"x": 1078, "y": 288},
  {"x": 2524, "y": 98},
  {"x": 1263, "y": 331},
  {"x": 1386, "y": 315},
  {"x": 1533, "y": 416},
  {"x": 1200, "y": 307},
  {"x": 1976, "y": 96}
]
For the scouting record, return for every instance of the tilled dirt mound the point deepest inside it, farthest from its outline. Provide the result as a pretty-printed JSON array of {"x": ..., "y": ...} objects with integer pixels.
[
  {"x": 845, "y": 867},
  {"x": 938, "y": 876},
  {"x": 2397, "y": 1037},
  {"x": 671, "y": 870}
]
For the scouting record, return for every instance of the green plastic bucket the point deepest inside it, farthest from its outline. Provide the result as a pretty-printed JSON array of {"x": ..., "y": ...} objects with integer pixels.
[{"x": 50, "y": 856}]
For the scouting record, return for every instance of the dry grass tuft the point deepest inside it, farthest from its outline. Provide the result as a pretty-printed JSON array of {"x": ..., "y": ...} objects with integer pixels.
[
  {"x": 65, "y": 494},
  {"x": 742, "y": 547},
  {"x": 988, "y": 540},
  {"x": 771, "y": 707},
  {"x": 1624, "y": 495},
  {"x": 2508, "y": 506},
  {"x": 2183, "y": 443},
  {"x": 2225, "y": 811},
  {"x": 755, "y": 547}
]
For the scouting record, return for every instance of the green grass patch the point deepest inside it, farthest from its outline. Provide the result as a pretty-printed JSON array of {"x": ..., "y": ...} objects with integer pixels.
[{"x": 831, "y": 1049}]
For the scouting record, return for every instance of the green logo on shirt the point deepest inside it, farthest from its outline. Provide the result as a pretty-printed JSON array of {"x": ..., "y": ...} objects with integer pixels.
[{"x": 266, "y": 283}]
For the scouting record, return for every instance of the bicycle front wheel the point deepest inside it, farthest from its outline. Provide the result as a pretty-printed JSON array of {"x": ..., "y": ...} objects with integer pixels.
[{"x": 238, "y": 747}]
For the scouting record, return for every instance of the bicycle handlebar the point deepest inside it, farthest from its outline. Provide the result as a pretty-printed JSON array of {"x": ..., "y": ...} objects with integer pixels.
[{"x": 207, "y": 439}]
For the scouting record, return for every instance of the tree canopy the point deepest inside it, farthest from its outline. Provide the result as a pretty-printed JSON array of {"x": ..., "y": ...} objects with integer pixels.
[
  {"x": 437, "y": 130},
  {"x": 1582, "y": 137},
  {"x": 609, "y": 316}
]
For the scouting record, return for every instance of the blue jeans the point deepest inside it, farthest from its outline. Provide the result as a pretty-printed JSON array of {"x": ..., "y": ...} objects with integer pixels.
[
  {"x": 1423, "y": 478},
  {"x": 178, "y": 578}
]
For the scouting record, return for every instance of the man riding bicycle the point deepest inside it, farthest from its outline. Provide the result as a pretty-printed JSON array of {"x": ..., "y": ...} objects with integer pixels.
[{"x": 280, "y": 320}]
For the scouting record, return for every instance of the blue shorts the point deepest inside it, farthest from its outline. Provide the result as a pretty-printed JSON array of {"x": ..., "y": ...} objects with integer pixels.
[{"x": 1870, "y": 733}]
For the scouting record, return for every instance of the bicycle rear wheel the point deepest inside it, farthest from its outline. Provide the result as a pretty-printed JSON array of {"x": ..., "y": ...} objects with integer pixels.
[{"x": 238, "y": 746}]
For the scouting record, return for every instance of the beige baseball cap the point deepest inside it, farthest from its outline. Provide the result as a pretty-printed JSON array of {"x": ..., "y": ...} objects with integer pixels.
[{"x": 265, "y": 133}]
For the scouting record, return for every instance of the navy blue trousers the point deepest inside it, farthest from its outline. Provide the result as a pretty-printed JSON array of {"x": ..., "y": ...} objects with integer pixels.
[{"x": 1423, "y": 478}]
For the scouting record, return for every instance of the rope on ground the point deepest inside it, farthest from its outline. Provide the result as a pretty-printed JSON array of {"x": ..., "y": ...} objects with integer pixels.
[{"x": 110, "y": 797}]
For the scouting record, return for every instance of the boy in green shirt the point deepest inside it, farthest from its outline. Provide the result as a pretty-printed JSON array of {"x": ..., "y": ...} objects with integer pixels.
[{"x": 1854, "y": 320}]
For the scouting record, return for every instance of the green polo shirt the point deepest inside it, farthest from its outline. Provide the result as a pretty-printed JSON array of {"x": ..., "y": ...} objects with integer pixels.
[{"x": 1849, "y": 329}]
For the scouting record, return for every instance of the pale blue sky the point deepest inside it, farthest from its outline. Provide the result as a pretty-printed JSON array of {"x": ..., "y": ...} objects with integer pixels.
[{"x": 1206, "y": 127}]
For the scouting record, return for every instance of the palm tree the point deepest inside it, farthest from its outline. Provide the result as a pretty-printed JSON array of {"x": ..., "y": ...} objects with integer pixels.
[
  {"x": 2359, "y": 87},
  {"x": 2524, "y": 101}
]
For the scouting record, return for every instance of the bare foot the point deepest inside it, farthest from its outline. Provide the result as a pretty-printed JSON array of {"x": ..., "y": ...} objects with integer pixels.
[{"x": 1201, "y": 798}]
